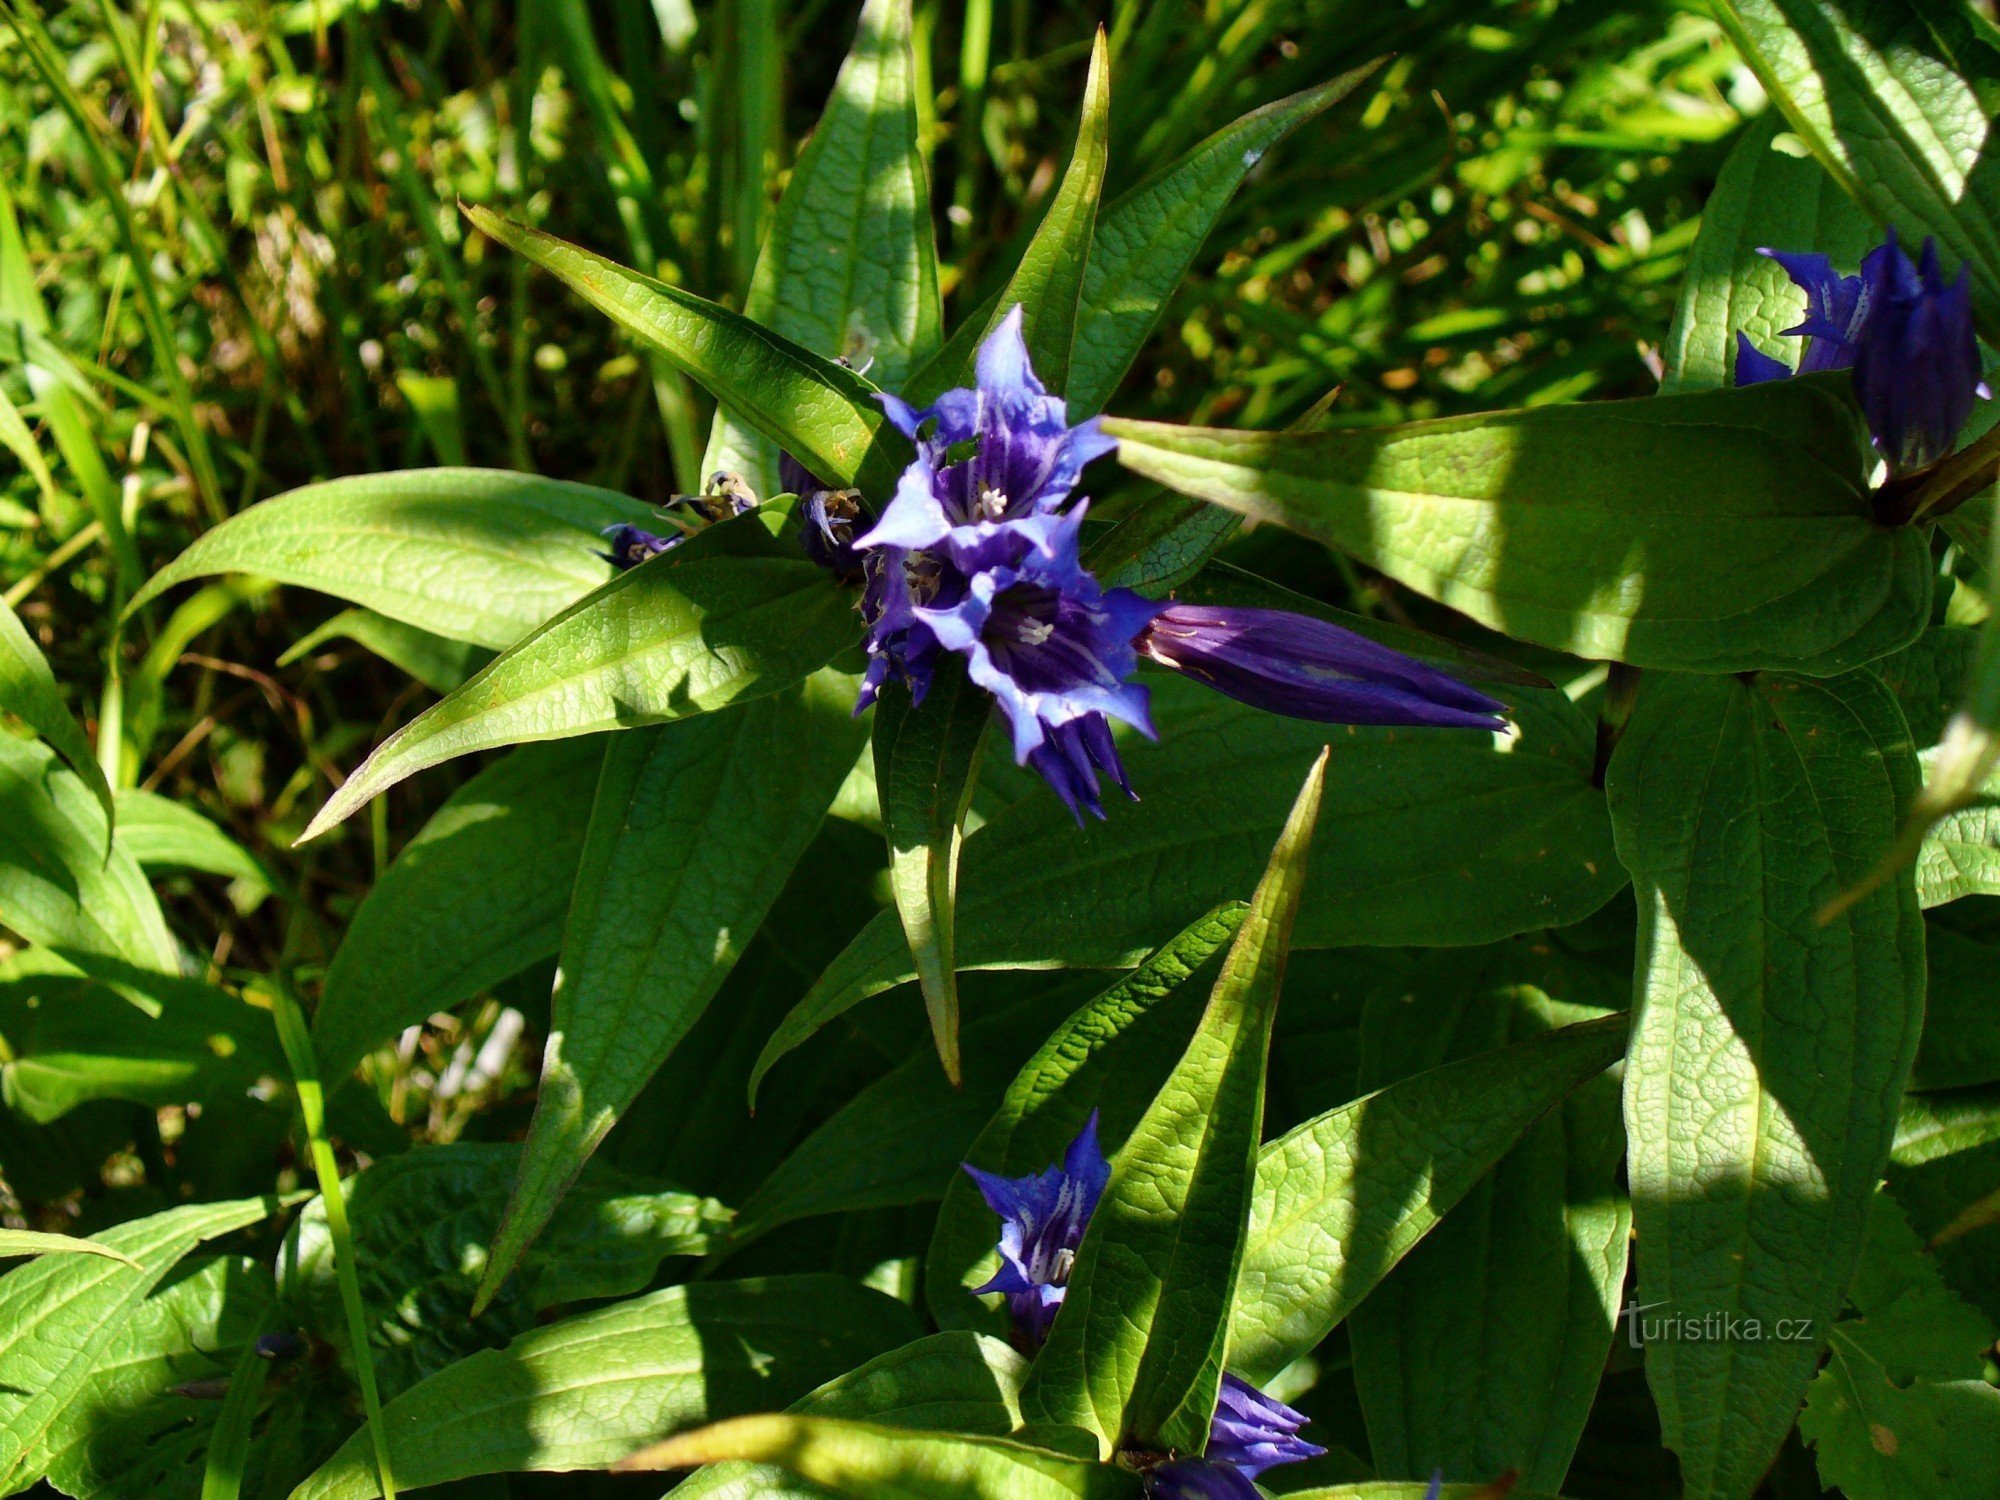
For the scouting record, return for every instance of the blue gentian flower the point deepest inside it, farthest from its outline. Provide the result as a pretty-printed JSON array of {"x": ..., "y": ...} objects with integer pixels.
[
  {"x": 827, "y": 517},
  {"x": 631, "y": 546},
  {"x": 1042, "y": 1220},
  {"x": 1305, "y": 668},
  {"x": 976, "y": 554},
  {"x": 1904, "y": 332}
]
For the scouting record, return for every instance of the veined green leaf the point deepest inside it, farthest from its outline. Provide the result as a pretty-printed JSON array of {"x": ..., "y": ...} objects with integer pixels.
[
  {"x": 849, "y": 266},
  {"x": 1111, "y": 1056},
  {"x": 1443, "y": 837},
  {"x": 18, "y": 1242},
  {"x": 478, "y": 555},
  {"x": 1047, "y": 285},
  {"x": 731, "y": 616},
  {"x": 28, "y": 691},
  {"x": 162, "y": 834},
  {"x": 1719, "y": 531},
  {"x": 477, "y": 896},
  {"x": 584, "y": 1393},
  {"x": 868, "y": 1462},
  {"x": 1145, "y": 242},
  {"x": 1771, "y": 193},
  {"x": 423, "y": 1226},
  {"x": 63, "y": 883},
  {"x": 1886, "y": 93},
  {"x": 1342, "y": 1198},
  {"x": 950, "y": 1382},
  {"x": 1137, "y": 1356},
  {"x": 824, "y": 413},
  {"x": 1769, "y": 1051},
  {"x": 694, "y": 832},
  {"x": 60, "y": 1312},
  {"x": 1504, "y": 1380},
  {"x": 1960, "y": 854},
  {"x": 926, "y": 765}
]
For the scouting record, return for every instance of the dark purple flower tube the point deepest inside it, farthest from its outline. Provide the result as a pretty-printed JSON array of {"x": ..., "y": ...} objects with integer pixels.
[
  {"x": 1199, "y": 1479},
  {"x": 1310, "y": 669},
  {"x": 1916, "y": 361}
]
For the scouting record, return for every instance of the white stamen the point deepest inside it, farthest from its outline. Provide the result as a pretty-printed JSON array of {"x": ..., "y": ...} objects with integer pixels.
[
  {"x": 992, "y": 503},
  {"x": 1033, "y": 632}
]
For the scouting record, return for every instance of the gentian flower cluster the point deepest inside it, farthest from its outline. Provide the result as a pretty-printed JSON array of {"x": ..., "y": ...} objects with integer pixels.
[
  {"x": 1042, "y": 1220},
  {"x": 1904, "y": 332},
  {"x": 724, "y": 495},
  {"x": 979, "y": 553}
]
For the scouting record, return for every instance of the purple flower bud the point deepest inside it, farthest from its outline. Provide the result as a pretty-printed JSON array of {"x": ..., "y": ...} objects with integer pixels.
[
  {"x": 1916, "y": 362},
  {"x": 1310, "y": 669},
  {"x": 1042, "y": 1219},
  {"x": 630, "y": 546},
  {"x": 1253, "y": 1431}
]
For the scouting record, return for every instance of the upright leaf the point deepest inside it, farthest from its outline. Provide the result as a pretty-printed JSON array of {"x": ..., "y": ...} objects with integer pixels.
[
  {"x": 1483, "y": 1351},
  {"x": 1109, "y": 1058},
  {"x": 849, "y": 266},
  {"x": 1887, "y": 93},
  {"x": 926, "y": 765},
  {"x": 1137, "y": 1353},
  {"x": 479, "y": 555},
  {"x": 583, "y": 1393},
  {"x": 1047, "y": 285},
  {"x": 1716, "y": 531},
  {"x": 1342, "y": 1198},
  {"x": 821, "y": 411},
  {"x": 1771, "y": 194},
  {"x": 58, "y": 884},
  {"x": 28, "y": 691},
  {"x": 731, "y": 616},
  {"x": 1146, "y": 241},
  {"x": 1769, "y": 1051},
  {"x": 1431, "y": 836},
  {"x": 477, "y": 896},
  {"x": 694, "y": 831},
  {"x": 868, "y": 1462},
  {"x": 59, "y": 1313}
]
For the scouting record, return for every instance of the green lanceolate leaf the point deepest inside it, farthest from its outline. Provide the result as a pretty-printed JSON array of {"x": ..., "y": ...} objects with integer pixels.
[
  {"x": 849, "y": 266},
  {"x": 128, "y": 1432},
  {"x": 58, "y": 885},
  {"x": 1147, "y": 240},
  {"x": 1048, "y": 283},
  {"x": 1137, "y": 1356},
  {"x": 584, "y": 1393},
  {"x": 162, "y": 834},
  {"x": 60, "y": 1312},
  {"x": 926, "y": 765},
  {"x": 476, "y": 897},
  {"x": 868, "y": 1462},
  {"x": 19, "y": 1242},
  {"x": 28, "y": 691},
  {"x": 1769, "y": 1051},
  {"x": 1771, "y": 193},
  {"x": 1719, "y": 531},
  {"x": 1443, "y": 836},
  {"x": 1110, "y": 1057},
  {"x": 423, "y": 1226},
  {"x": 478, "y": 555},
  {"x": 822, "y": 412},
  {"x": 694, "y": 832},
  {"x": 733, "y": 615},
  {"x": 961, "y": 1383},
  {"x": 1477, "y": 1385},
  {"x": 1342, "y": 1198},
  {"x": 1883, "y": 92}
]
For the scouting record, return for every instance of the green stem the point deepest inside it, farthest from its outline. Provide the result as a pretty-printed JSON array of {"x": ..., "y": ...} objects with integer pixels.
[{"x": 312, "y": 1108}]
